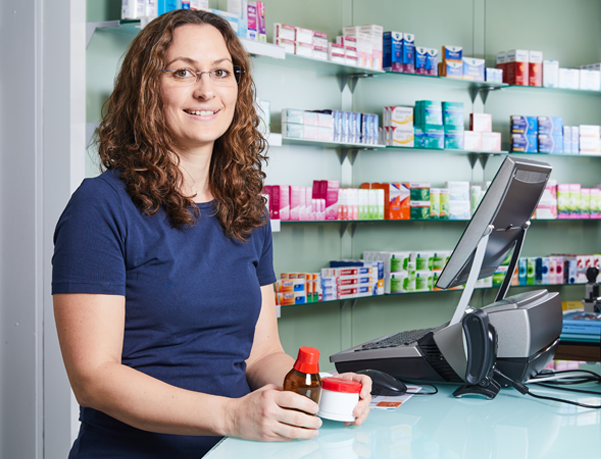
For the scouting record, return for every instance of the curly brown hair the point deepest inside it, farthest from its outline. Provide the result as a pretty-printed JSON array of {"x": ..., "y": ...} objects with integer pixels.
[{"x": 134, "y": 139}]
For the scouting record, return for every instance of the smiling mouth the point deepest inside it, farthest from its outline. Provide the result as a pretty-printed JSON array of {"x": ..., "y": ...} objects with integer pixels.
[{"x": 202, "y": 112}]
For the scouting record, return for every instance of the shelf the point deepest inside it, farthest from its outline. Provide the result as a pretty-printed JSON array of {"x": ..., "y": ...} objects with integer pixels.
[
  {"x": 326, "y": 144},
  {"x": 543, "y": 90},
  {"x": 132, "y": 28},
  {"x": 442, "y": 81},
  {"x": 353, "y": 300},
  {"x": 546, "y": 155}
]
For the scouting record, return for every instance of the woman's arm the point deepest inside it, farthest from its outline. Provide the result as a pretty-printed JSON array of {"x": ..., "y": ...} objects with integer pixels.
[{"x": 90, "y": 330}]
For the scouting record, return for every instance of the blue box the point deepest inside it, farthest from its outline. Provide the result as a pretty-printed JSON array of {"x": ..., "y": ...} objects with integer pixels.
[
  {"x": 434, "y": 141},
  {"x": 337, "y": 118},
  {"x": 357, "y": 127},
  {"x": 551, "y": 125},
  {"x": 453, "y": 113},
  {"x": 392, "y": 50},
  {"x": 523, "y": 271},
  {"x": 421, "y": 59},
  {"x": 550, "y": 143},
  {"x": 375, "y": 124},
  {"x": 432, "y": 63},
  {"x": 418, "y": 137},
  {"x": 473, "y": 69},
  {"x": 524, "y": 125},
  {"x": 345, "y": 133},
  {"x": 452, "y": 53},
  {"x": 524, "y": 143},
  {"x": 408, "y": 48}
]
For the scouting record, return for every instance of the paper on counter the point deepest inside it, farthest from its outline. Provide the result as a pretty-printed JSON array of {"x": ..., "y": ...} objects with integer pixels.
[{"x": 380, "y": 402}]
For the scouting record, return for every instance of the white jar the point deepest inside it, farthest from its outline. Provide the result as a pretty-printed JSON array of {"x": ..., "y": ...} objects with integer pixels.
[{"x": 338, "y": 399}]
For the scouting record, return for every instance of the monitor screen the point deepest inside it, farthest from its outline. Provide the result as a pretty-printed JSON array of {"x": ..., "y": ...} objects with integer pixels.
[{"x": 508, "y": 205}]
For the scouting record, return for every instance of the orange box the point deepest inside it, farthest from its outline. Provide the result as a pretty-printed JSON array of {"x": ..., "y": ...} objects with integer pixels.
[{"x": 396, "y": 200}]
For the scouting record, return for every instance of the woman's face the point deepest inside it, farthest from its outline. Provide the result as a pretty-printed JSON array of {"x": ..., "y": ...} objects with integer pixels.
[{"x": 198, "y": 113}]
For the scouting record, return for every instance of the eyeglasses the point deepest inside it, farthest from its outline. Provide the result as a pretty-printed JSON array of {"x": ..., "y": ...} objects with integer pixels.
[{"x": 188, "y": 77}]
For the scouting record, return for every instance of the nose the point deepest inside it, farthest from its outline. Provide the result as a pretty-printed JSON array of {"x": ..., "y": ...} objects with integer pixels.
[{"x": 203, "y": 88}]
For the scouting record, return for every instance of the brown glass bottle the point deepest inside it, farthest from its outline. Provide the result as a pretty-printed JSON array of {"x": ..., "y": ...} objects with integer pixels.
[{"x": 304, "y": 377}]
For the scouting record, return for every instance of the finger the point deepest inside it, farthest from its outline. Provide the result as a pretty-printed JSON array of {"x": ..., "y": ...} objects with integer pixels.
[
  {"x": 294, "y": 432},
  {"x": 294, "y": 401},
  {"x": 299, "y": 419}
]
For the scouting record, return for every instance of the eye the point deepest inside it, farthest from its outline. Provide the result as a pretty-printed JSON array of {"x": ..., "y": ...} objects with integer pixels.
[
  {"x": 222, "y": 74},
  {"x": 184, "y": 74}
]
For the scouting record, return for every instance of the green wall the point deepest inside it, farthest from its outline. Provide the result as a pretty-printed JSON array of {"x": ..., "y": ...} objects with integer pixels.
[{"x": 564, "y": 31}]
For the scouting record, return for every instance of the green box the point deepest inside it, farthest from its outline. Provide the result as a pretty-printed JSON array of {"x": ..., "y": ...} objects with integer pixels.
[
  {"x": 419, "y": 192},
  {"x": 453, "y": 113},
  {"x": 420, "y": 210}
]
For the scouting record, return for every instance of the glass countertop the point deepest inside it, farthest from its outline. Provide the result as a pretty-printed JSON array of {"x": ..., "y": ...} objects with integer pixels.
[{"x": 512, "y": 426}]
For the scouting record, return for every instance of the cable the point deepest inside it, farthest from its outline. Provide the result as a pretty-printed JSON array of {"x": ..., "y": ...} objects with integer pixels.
[
  {"x": 572, "y": 377},
  {"x": 425, "y": 393},
  {"x": 522, "y": 389}
]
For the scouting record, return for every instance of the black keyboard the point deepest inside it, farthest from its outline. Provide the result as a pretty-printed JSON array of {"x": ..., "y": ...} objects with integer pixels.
[{"x": 400, "y": 339}]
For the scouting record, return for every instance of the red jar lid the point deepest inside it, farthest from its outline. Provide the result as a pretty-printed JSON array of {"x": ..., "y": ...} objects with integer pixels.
[
  {"x": 307, "y": 360},
  {"x": 341, "y": 385}
]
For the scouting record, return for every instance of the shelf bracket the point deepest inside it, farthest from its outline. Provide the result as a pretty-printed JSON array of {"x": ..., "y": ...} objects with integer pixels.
[
  {"x": 92, "y": 26},
  {"x": 344, "y": 224},
  {"x": 352, "y": 80},
  {"x": 351, "y": 153},
  {"x": 353, "y": 302},
  {"x": 483, "y": 91}
]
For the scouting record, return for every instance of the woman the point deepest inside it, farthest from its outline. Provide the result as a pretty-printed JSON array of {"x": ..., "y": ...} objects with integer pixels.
[{"x": 162, "y": 270}]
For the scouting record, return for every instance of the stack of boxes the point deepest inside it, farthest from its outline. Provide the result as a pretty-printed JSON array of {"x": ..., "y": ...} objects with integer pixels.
[
  {"x": 396, "y": 199},
  {"x": 574, "y": 201},
  {"x": 298, "y": 288},
  {"x": 398, "y": 52},
  {"x": 480, "y": 136},
  {"x": 589, "y": 139},
  {"x": 347, "y": 279},
  {"x": 398, "y": 127},
  {"x": 524, "y": 133},
  {"x": 550, "y": 134},
  {"x": 410, "y": 271},
  {"x": 426, "y": 61},
  {"x": 452, "y": 62},
  {"x": 453, "y": 120},
  {"x": 330, "y": 126},
  {"x": 429, "y": 130},
  {"x": 459, "y": 200},
  {"x": 419, "y": 201},
  {"x": 521, "y": 67},
  {"x": 369, "y": 44},
  {"x": 571, "y": 139},
  {"x": 547, "y": 206}
]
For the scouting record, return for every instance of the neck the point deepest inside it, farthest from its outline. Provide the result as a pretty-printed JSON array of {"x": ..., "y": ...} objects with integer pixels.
[{"x": 194, "y": 165}]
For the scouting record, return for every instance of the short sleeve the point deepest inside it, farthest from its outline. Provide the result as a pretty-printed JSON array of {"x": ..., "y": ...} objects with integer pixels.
[
  {"x": 265, "y": 273},
  {"x": 89, "y": 242}
]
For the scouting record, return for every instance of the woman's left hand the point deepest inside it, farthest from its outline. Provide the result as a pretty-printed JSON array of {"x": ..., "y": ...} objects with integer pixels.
[{"x": 362, "y": 408}]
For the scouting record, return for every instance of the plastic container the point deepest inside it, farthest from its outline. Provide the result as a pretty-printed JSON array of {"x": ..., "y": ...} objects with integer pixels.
[
  {"x": 304, "y": 377},
  {"x": 338, "y": 399}
]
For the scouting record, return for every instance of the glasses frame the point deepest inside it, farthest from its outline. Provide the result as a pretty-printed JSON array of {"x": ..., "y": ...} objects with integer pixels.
[{"x": 237, "y": 72}]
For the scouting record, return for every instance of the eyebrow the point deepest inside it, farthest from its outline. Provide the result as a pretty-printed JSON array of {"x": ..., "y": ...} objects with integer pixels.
[{"x": 193, "y": 62}]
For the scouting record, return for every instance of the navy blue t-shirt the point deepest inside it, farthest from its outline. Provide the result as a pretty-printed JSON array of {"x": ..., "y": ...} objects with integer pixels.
[{"x": 192, "y": 300}]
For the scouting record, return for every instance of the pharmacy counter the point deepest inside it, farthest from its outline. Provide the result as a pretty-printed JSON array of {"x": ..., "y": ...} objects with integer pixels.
[{"x": 512, "y": 426}]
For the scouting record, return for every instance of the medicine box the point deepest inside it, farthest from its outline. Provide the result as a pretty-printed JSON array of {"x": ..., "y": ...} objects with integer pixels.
[
  {"x": 421, "y": 61},
  {"x": 428, "y": 112},
  {"x": 392, "y": 53},
  {"x": 525, "y": 143},
  {"x": 590, "y": 80},
  {"x": 320, "y": 39},
  {"x": 472, "y": 140},
  {"x": 494, "y": 75},
  {"x": 550, "y": 143},
  {"x": 284, "y": 31},
  {"x": 293, "y": 131},
  {"x": 524, "y": 124},
  {"x": 454, "y": 141},
  {"x": 491, "y": 141},
  {"x": 453, "y": 114},
  {"x": 473, "y": 69},
  {"x": 517, "y": 67},
  {"x": 408, "y": 53},
  {"x": 481, "y": 122},
  {"x": 535, "y": 68},
  {"x": 501, "y": 64},
  {"x": 569, "y": 78},
  {"x": 432, "y": 61},
  {"x": 551, "y": 125},
  {"x": 261, "y": 31},
  {"x": 396, "y": 204},
  {"x": 452, "y": 53},
  {"x": 288, "y": 45},
  {"x": 399, "y": 137},
  {"x": 450, "y": 69},
  {"x": 399, "y": 116},
  {"x": 551, "y": 74}
]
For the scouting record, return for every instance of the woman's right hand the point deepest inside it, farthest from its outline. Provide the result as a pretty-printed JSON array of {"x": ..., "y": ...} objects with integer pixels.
[{"x": 272, "y": 414}]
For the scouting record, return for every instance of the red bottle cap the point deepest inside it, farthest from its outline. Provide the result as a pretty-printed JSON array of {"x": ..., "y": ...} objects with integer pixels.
[
  {"x": 341, "y": 385},
  {"x": 307, "y": 360}
]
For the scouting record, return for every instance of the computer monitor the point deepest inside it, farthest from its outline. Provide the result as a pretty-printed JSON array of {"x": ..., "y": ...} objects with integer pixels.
[{"x": 508, "y": 205}]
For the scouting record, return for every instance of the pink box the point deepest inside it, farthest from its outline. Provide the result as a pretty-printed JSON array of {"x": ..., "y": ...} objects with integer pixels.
[
  {"x": 309, "y": 214},
  {"x": 481, "y": 122},
  {"x": 332, "y": 187},
  {"x": 274, "y": 202},
  {"x": 252, "y": 22},
  {"x": 302, "y": 203},
  {"x": 284, "y": 201},
  {"x": 295, "y": 202},
  {"x": 472, "y": 141},
  {"x": 559, "y": 270},
  {"x": 491, "y": 141}
]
